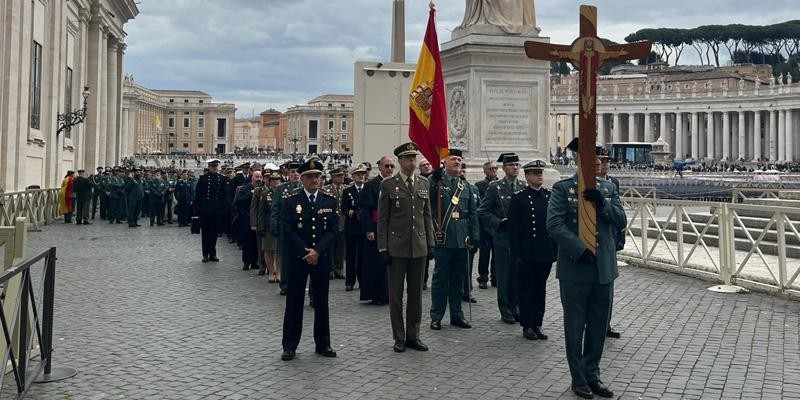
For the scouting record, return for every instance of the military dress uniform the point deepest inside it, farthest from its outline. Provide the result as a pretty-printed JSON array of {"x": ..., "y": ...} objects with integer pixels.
[
  {"x": 338, "y": 253},
  {"x": 374, "y": 284},
  {"x": 157, "y": 188},
  {"x": 354, "y": 232},
  {"x": 282, "y": 192},
  {"x": 533, "y": 250},
  {"x": 493, "y": 213},
  {"x": 247, "y": 237},
  {"x": 405, "y": 238},
  {"x": 134, "y": 191},
  {"x": 258, "y": 208},
  {"x": 586, "y": 280},
  {"x": 309, "y": 221},
  {"x": 115, "y": 187},
  {"x": 97, "y": 184},
  {"x": 209, "y": 206},
  {"x": 457, "y": 229},
  {"x": 485, "y": 259}
]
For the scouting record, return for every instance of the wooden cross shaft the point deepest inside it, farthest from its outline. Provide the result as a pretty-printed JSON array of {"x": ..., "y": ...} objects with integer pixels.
[{"x": 587, "y": 54}]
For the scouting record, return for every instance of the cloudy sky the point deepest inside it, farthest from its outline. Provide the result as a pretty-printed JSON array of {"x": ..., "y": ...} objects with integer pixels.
[{"x": 277, "y": 53}]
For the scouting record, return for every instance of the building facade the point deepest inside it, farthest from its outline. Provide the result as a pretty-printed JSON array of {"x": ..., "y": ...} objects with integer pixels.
[
  {"x": 175, "y": 121},
  {"x": 51, "y": 53},
  {"x": 322, "y": 126},
  {"x": 245, "y": 134},
  {"x": 732, "y": 113},
  {"x": 269, "y": 131}
]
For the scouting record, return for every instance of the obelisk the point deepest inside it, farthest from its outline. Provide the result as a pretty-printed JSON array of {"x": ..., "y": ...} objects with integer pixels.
[{"x": 399, "y": 32}]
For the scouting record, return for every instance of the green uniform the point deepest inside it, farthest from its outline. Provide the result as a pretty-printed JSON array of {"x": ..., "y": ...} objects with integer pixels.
[
  {"x": 115, "y": 187},
  {"x": 283, "y": 191},
  {"x": 586, "y": 288},
  {"x": 134, "y": 191},
  {"x": 493, "y": 213},
  {"x": 459, "y": 216}
]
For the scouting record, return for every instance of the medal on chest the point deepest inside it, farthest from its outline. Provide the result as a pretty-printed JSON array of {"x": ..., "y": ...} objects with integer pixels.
[{"x": 299, "y": 209}]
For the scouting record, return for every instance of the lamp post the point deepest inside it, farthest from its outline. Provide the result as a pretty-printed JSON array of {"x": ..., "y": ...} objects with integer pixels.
[
  {"x": 295, "y": 138},
  {"x": 331, "y": 136},
  {"x": 71, "y": 118}
]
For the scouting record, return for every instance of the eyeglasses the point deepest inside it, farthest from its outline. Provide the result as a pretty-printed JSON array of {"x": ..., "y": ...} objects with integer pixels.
[{"x": 388, "y": 165}]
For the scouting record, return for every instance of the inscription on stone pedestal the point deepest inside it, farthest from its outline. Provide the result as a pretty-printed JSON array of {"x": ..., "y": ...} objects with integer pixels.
[{"x": 509, "y": 110}]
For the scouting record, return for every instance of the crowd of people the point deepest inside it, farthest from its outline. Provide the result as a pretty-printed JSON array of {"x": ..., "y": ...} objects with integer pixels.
[{"x": 379, "y": 233}]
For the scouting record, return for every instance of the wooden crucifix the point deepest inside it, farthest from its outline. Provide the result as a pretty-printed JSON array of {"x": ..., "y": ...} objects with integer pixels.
[{"x": 587, "y": 54}]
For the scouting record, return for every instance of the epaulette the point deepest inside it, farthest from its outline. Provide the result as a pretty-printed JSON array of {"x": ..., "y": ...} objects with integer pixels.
[
  {"x": 565, "y": 179},
  {"x": 326, "y": 194},
  {"x": 519, "y": 191},
  {"x": 423, "y": 178},
  {"x": 287, "y": 194}
]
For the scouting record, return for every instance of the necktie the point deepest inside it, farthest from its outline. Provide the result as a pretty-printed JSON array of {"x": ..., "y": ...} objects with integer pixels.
[
  {"x": 410, "y": 185},
  {"x": 311, "y": 199}
]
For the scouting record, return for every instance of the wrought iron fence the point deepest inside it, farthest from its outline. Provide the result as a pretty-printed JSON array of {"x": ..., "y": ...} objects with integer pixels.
[
  {"x": 754, "y": 246},
  {"x": 39, "y": 206},
  {"x": 27, "y": 327}
]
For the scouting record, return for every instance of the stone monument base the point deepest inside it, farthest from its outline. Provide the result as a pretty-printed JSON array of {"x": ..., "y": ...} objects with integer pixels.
[{"x": 497, "y": 98}]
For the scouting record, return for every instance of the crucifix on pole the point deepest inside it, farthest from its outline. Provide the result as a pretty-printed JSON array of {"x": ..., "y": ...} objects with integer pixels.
[{"x": 587, "y": 54}]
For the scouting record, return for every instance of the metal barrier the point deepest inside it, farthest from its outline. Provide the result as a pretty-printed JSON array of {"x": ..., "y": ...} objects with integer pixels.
[
  {"x": 38, "y": 206},
  {"x": 739, "y": 194},
  {"x": 640, "y": 192},
  {"x": 717, "y": 241}
]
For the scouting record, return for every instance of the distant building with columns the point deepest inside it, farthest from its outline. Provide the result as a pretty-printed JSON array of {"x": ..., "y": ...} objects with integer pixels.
[
  {"x": 167, "y": 121},
  {"x": 308, "y": 126},
  {"x": 49, "y": 51},
  {"x": 739, "y": 112},
  {"x": 245, "y": 133}
]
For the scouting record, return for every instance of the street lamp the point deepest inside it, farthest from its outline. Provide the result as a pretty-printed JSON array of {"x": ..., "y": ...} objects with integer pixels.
[
  {"x": 331, "y": 136},
  {"x": 295, "y": 138},
  {"x": 71, "y": 118}
]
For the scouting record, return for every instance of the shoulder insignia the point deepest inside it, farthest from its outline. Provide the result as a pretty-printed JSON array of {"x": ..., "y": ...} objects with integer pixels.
[
  {"x": 422, "y": 178},
  {"x": 519, "y": 191}
]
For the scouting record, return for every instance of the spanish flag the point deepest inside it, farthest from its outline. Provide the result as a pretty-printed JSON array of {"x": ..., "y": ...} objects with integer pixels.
[{"x": 427, "y": 125}]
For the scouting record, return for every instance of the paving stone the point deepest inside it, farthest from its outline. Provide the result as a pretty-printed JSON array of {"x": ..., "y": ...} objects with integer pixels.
[{"x": 141, "y": 317}]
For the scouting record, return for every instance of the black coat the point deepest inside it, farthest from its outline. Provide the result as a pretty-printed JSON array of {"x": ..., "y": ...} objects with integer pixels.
[
  {"x": 306, "y": 226},
  {"x": 368, "y": 204},
  {"x": 209, "y": 197},
  {"x": 350, "y": 199},
  {"x": 527, "y": 232},
  {"x": 83, "y": 188}
]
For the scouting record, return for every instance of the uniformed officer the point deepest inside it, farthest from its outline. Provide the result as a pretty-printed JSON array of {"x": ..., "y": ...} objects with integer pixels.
[
  {"x": 134, "y": 191},
  {"x": 115, "y": 189},
  {"x": 485, "y": 267},
  {"x": 353, "y": 228},
  {"x": 309, "y": 222},
  {"x": 405, "y": 238},
  {"x": 493, "y": 213},
  {"x": 454, "y": 203},
  {"x": 605, "y": 165},
  {"x": 336, "y": 190},
  {"x": 247, "y": 236},
  {"x": 533, "y": 249},
  {"x": 586, "y": 279},
  {"x": 97, "y": 181},
  {"x": 209, "y": 206},
  {"x": 157, "y": 189},
  {"x": 281, "y": 192}
]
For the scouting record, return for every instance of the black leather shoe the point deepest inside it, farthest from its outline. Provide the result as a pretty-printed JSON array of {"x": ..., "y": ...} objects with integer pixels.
[
  {"x": 399, "y": 346},
  {"x": 612, "y": 333},
  {"x": 416, "y": 344},
  {"x": 245, "y": 267},
  {"x": 538, "y": 331},
  {"x": 509, "y": 321},
  {"x": 461, "y": 323},
  {"x": 287, "y": 355},
  {"x": 436, "y": 325},
  {"x": 326, "y": 352},
  {"x": 529, "y": 334},
  {"x": 262, "y": 271},
  {"x": 282, "y": 293},
  {"x": 582, "y": 391},
  {"x": 483, "y": 285},
  {"x": 494, "y": 284},
  {"x": 348, "y": 288},
  {"x": 205, "y": 259},
  {"x": 469, "y": 299},
  {"x": 213, "y": 258},
  {"x": 600, "y": 389}
]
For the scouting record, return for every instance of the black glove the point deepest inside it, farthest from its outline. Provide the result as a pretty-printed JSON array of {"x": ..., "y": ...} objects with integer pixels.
[
  {"x": 437, "y": 175},
  {"x": 595, "y": 197},
  {"x": 587, "y": 257},
  {"x": 503, "y": 224},
  {"x": 430, "y": 253},
  {"x": 385, "y": 258}
]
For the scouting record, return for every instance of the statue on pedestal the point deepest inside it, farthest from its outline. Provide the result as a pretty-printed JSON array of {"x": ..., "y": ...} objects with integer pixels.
[{"x": 513, "y": 17}]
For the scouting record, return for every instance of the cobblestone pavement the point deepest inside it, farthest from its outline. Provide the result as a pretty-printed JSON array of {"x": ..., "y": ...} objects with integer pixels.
[{"x": 141, "y": 317}]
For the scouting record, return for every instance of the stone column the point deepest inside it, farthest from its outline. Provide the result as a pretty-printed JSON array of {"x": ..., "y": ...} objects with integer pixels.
[
  {"x": 781, "y": 135},
  {"x": 399, "y": 32},
  {"x": 554, "y": 132},
  {"x": 111, "y": 123},
  {"x": 679, "y": 153},
  {"x": 709, "y": 136},
  {"x": 757, "y": 136},
  {"x": 662, "y": 128},
  {"x": 96, "y": 119},
  {"x": 601, "y": 129},
  {"x": 570, "y": 128},
  {"x": 741, "y": 130},
  {"x": 773, "y": 135},
  {"x": 648, "y": 129},
  {"x": 789, "y": 135},
  {"x": 617, "y": 129},
  {"x": 632, "y": 135},
  {"x": 726, "y": 136},
  {"x": 695, "y": 137}
]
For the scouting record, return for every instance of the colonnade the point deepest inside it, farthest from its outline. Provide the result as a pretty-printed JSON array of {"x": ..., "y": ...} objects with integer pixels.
[{"x": 711, "y": 135}]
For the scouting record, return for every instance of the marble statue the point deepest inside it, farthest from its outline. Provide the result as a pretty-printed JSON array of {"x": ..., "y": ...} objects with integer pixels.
[{"x": 511, "y": 16}]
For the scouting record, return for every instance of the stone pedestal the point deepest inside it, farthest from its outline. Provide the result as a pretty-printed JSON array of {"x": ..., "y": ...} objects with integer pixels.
[{"x": 497, "y": 98}]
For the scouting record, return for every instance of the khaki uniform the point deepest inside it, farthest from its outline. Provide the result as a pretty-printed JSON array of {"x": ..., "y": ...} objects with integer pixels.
[{"x": 405, "y": 230}]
